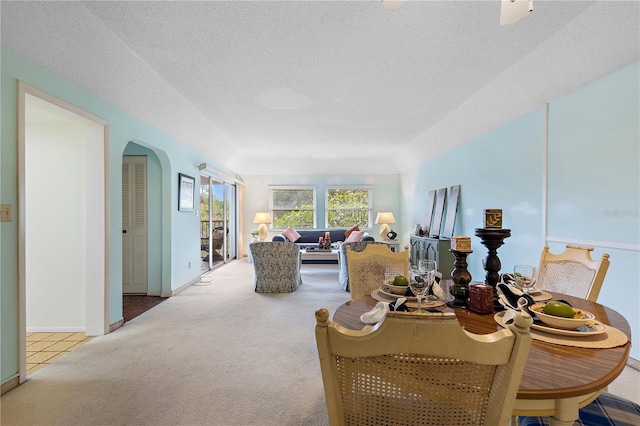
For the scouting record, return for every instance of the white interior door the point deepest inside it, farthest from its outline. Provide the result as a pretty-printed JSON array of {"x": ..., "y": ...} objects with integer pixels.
[{"x": 134, "y": 224}]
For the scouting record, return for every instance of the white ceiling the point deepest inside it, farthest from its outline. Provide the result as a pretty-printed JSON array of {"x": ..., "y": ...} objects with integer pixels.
[{"x": 275, "y": 87}]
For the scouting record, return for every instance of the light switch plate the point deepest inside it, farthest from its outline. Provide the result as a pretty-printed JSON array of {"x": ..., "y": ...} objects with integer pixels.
[{"x": 5, "y": 213}]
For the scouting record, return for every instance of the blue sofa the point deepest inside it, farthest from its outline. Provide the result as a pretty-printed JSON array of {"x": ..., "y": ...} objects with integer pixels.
[{"x": 309, "y": 237}]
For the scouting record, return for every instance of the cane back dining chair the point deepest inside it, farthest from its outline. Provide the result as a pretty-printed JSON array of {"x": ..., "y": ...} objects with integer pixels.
[
  {"x": 367, "y": 268},
  {"x": 420, "y": 369},
  {"x": 573, "y": 272},
  {"x": 343, "y": 267}
]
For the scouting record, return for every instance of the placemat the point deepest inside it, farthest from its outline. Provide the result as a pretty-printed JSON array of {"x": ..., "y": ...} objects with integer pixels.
[
  {"x": 609, "y": 339},
  {"x": 381, "y": 297}
]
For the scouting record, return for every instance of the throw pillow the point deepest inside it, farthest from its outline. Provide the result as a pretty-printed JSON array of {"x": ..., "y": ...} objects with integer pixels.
[
  {"x": 355, "y": 236},
  {"x": 349, "y": 231},
  {"x": 291, "y": 234}
]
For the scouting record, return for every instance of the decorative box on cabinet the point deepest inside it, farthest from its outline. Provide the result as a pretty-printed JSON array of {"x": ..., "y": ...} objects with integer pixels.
[{"x": 432, "y": 249}]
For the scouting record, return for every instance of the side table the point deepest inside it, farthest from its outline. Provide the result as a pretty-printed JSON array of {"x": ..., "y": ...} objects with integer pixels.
[
  {"x": 249, "y": 255},
  {"x": 394, "y": 245}
]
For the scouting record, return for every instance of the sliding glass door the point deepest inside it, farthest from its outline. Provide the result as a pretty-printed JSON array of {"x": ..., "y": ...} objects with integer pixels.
[{"x": 218, "y": 222}]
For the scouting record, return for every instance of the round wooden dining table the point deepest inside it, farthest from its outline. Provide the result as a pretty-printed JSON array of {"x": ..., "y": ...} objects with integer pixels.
[{"x": 558, "y": 380}]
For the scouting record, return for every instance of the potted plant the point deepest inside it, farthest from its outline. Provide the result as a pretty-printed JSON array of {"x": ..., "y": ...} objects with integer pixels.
[{"x": 254, "y": 234}]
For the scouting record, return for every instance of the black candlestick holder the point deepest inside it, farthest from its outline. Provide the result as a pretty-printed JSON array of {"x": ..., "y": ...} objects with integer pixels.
[
  {"x": 461, "y": 279},
  {"x": 492, "y": 239}
]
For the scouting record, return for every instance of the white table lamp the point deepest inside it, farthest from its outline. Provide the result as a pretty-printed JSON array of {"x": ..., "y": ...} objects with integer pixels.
[
  {"x": 262, "y": 218},
  {"x": 383, "y": 219}
]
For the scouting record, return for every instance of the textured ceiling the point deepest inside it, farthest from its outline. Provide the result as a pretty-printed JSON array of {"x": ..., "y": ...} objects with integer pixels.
[{"x": 274, "y": 87}]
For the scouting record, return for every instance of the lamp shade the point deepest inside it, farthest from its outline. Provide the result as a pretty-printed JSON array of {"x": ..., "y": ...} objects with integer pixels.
[
  {"x": 385, "y": 217},
  {"x": 262, "y": 217}
]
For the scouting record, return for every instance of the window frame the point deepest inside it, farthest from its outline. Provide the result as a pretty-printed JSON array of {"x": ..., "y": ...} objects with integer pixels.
[
  {"x": 369, "y": 189},
  {"x": 296, "y": 188}
]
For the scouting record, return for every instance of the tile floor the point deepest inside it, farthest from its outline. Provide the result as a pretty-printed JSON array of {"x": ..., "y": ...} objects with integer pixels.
[{"x": 45, "y": 348}]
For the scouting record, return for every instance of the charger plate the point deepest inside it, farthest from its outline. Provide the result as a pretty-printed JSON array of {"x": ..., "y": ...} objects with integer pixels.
[
  {"x": 412, "y": 302},
  {"x": 536, "y": 294},
  {"x": 396, "y": 296},
  {"x": 540, "y": 296},
  {"x": 609, "y": 338},
  {"x": 594, "y": 328}
]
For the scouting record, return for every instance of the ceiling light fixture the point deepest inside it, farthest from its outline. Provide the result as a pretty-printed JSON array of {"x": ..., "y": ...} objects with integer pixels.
[
  {"x": 511, "y": 11},
  {"x": 392, "y": 4}
]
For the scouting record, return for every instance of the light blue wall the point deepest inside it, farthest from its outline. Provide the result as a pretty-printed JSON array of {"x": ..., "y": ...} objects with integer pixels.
[
  {"x": 594, "y": 182},
  {"x": 178, "y": 239},
  {"x": 490, "y": 178},
  {"x": 593, "y": 185},
  {"x": 386, "y": 195}
]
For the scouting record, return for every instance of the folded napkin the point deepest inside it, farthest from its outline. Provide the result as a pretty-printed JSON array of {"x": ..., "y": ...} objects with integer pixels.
[
  {"x": 379, "y": 311},
  {"x": 439, "y": 292},
  {"x": 509, "y": 280},
  {"x": 513, "y": 302}
]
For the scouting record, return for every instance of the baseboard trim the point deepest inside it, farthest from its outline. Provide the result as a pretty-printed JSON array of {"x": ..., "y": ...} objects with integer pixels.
[
  {"x": 9, "y": 385},
  {"x": 633, "y": 363},
  {"x": 182, "y": 287},
  {"x": 116, "y": 325},
  {"x": 55, "y": 330}
]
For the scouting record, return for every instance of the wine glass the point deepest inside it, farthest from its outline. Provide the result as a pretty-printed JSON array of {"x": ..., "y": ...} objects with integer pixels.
[
  {"x": 428, "y": 268},
  {"x": 525, "y": 277},
  {"x": 419, "y": 286},
  {"x": 424, "y": 280}
]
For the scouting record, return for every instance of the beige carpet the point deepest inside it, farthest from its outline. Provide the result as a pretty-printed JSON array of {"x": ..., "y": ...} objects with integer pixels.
[{"x": 216, "y": 354}]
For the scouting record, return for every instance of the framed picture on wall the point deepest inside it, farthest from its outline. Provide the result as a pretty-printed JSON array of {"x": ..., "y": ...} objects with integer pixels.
[{"x": 186, "y": 192}]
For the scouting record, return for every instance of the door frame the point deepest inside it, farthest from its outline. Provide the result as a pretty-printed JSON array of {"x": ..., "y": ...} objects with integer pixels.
[
  {"x": 212, "y": 174},
  {"x": 96, "y": 302}
]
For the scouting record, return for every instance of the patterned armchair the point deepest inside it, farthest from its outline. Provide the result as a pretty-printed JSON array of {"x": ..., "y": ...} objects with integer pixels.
[
  {"x": 343, "y": 277},
  {"x": 276, "y": 267}
]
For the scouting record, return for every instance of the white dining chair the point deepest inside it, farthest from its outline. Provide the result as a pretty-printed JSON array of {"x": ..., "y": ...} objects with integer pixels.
[
  {"x": 418, "y": 369},
  {"x": 572, "y": 272}
]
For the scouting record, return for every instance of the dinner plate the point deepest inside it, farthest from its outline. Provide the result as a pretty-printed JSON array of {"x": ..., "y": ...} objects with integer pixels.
[
  {"x": 536, "y": 294},
  {"x": 396, "y": 296},
  {"x": 540, "y": 295},
  {"x": 593, "y": 328},
  {"x": 412, "y": 302}
]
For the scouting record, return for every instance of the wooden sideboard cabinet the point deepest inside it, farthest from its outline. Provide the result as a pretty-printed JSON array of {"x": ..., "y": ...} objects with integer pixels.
[{"x": 432, "y": 249}]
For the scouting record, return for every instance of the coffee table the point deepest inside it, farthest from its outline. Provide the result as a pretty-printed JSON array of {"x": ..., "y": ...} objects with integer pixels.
[{"x": 317, "y": 254}]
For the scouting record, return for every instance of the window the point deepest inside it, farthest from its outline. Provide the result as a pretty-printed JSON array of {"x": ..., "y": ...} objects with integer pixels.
[
  {"x": 293, "y": 206},
  {"x": 347, "y": 207}
]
